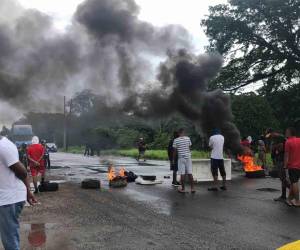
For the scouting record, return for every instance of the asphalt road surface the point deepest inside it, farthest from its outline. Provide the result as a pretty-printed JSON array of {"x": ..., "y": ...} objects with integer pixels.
[{"x": 155, "y": 217}]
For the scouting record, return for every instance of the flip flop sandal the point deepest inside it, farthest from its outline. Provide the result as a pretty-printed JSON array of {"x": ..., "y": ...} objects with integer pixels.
[
  {"x": 193, "y": 191},
  {"x": 294, "y": 205},
  {"x": 289, "y": 203},
  {"x": 181, "y": 191}
]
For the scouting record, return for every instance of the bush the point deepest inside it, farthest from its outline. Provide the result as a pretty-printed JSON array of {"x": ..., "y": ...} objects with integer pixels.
[{"x": 161, "y": 141}]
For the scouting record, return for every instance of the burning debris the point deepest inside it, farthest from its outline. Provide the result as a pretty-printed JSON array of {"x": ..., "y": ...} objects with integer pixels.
[
  {"x": 116, "y": 181},
  {"x": 251, "y": 169}
]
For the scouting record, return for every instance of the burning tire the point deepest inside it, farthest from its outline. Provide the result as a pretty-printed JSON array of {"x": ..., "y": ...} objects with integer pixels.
[
  {"x": 90, "y": 184},
  {"x": 118, "y": 183},
  {"x": 251, "y": 169},
  {"x": 256, "y": 174}
]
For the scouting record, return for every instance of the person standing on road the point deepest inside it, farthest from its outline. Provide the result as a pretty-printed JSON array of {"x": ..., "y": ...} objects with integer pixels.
[
  {"x": 173, "y": 167},
  {"x": 182, "y": 148},
  {"x": 46, "y": 155},
  {"x": 292, "y": 163},
  {"x": 216, "y": 143},
  {"x": 261, "y": 148},
  {"x": 36, "y": 160},
  {"x": 87, "y": 150},
  {"x": 142, "y": 149},
  {"x": 277, "y": 145},
  {"x": 14, "y": 191}
]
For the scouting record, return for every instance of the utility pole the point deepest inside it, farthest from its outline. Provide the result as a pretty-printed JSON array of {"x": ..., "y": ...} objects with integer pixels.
[
  {"x": 68, "y": 121},
  {"x": 65, "y": 126}
]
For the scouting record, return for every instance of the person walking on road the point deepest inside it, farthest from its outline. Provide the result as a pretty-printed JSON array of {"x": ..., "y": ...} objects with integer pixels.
[
  {"x": 142, "y": 149},
  {"x": 14, "y": 191},
  {"x": 182, "y": 148},
  {"x": 216, "y": 143},
  {"x": 292, "y": 163},
  {"x": 173, "y": 167},
  {"x": 36, "y": 153}
]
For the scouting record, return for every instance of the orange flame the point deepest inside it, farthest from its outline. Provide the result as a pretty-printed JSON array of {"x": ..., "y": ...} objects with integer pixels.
[
  {"x": 122, "y": 172},
  {"x": 248, "y": 162},
  {"x": 111, "y": 173}
]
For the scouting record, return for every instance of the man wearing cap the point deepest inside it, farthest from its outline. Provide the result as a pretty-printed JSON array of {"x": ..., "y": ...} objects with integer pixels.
[{"x": 36, "y": 153}]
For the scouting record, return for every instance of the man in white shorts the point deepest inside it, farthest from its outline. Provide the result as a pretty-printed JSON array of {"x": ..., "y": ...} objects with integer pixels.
[{"x": 182, "y": 147}]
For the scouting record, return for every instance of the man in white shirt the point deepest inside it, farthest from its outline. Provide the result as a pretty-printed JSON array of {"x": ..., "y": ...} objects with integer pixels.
[
  {"x": 216, "y": 143},
  {"x": 182, "y": 147},
  {"x": 14, "y": 191}
]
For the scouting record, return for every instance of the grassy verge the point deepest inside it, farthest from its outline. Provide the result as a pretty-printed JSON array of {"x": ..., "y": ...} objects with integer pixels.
[{"x": 152, "y": 154}]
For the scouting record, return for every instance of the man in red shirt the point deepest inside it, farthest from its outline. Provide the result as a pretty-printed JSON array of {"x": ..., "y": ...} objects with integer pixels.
[
  {"x": 292, "y": 163},
  {"x": 36, "y": 153}
]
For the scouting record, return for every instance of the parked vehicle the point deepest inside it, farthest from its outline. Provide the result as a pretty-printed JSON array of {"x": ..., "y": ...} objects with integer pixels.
[
  {"x": 51, "y": 147},
  {"x": 21, "y": 134}
]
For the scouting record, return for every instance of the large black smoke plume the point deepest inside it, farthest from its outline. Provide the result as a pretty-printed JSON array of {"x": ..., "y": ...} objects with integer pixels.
[
  {"x": 183, "y": 82},
  {"x": 39, "y": 64},
  {"x": 108, "y": 49}
]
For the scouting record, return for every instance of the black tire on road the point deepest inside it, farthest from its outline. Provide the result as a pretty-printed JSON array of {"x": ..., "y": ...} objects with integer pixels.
[
  {"x": 256, "y": 174},
  {"x": 90, "y": 184},
  {"x": 48, "y": 187}
]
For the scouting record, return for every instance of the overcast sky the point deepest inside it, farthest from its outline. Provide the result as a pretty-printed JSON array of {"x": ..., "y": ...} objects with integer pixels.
[{"x": 188, "y": 13}]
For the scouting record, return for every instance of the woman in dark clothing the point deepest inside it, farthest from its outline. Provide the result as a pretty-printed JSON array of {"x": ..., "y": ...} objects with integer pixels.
[{"x": 173, "y": 167}]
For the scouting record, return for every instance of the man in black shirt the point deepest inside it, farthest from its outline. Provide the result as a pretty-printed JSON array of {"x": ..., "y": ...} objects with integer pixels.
[
  {"x": 277, "y": 153},
  {"x": 173, "y": 166},
  {"x": 142, "y": 149}
]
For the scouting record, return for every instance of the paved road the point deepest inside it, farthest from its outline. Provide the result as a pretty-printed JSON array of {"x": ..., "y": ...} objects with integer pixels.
[{"x": 157, "y": 217}]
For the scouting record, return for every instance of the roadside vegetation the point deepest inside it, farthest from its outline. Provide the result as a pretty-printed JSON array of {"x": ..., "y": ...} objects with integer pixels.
[{"x": 154, "y": 154}]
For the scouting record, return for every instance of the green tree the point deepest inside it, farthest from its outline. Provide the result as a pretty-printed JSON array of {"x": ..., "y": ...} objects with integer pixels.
[
  {"x": 286, "y": 106},
  {"x": 253, "y": 114},
  {"x": 259, "y": 40}
]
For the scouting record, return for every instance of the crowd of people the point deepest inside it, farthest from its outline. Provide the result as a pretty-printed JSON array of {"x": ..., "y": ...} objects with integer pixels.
[
  {"x": 180, "y": 157},
  {"x": 285, "y": 155},
  {"x": 15, "y": 163}
]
